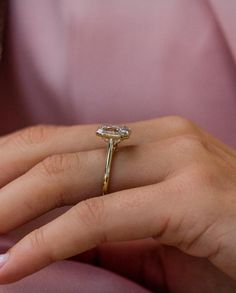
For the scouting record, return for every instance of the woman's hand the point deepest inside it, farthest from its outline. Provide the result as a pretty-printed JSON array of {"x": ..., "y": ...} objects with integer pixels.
[{"x": 171, "y": 181}]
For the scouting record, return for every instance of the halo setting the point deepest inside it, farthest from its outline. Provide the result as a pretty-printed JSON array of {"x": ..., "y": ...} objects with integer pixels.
[{"x": 115, "y": 132}]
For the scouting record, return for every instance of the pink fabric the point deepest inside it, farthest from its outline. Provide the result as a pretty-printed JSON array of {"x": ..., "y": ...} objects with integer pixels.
[{"x": 86, "y": 61}]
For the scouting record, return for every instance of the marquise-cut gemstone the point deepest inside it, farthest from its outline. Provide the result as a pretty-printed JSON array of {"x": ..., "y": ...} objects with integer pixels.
[{"x": 113, "y": 131}]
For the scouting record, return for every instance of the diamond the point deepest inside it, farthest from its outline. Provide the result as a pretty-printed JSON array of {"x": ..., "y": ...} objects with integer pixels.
[{"x": 116, "y": 132}]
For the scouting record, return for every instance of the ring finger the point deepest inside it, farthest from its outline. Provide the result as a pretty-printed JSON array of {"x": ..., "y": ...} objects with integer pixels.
[{"x": 23, "y": 149}]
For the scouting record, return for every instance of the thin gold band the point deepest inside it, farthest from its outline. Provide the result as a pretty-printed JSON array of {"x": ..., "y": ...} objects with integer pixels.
[
  {"x": 111, "y": 147},
  {"x": 113, "y": 134}
]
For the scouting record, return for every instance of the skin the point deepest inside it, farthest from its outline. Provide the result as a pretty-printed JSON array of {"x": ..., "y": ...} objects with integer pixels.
[{"x": 168, "y": 222}]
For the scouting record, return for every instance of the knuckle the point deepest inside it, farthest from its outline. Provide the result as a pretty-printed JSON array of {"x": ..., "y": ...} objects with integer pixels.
[
  {"x": 37, "y": 242},
  {"x": 202, "y": 175},
  {"x": 35, "y": 134},
  {"x": 56, "y": 164},
  {"x": 188, "y": 143},
  {"x": 37, "y": 239},
  {"x": 91, "y": 211},
  {"x": 180, "y": 124}
]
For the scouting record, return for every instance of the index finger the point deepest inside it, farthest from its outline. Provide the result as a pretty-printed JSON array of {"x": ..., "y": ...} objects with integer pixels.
[{"x": 124, "y": 215}]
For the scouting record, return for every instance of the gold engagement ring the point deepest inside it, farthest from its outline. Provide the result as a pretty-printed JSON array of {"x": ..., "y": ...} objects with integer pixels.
[{"x": 113, "y": 135}]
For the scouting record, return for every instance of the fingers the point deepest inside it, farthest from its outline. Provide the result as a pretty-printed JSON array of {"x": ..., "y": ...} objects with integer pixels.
[
  {"x": 139, "y": 213},
  {"x": 23, "y": 149},
  {"x": 119, "y": 216},
  {"x": 164, "y": 211},
  {"x": 66, "y": 179}
]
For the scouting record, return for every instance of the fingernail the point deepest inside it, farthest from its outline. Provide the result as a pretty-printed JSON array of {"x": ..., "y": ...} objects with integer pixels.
[{"x": 3, "y": 258}]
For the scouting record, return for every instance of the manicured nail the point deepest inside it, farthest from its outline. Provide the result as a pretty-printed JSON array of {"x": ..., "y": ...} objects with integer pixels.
[{"x": 3, "y": 258}]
